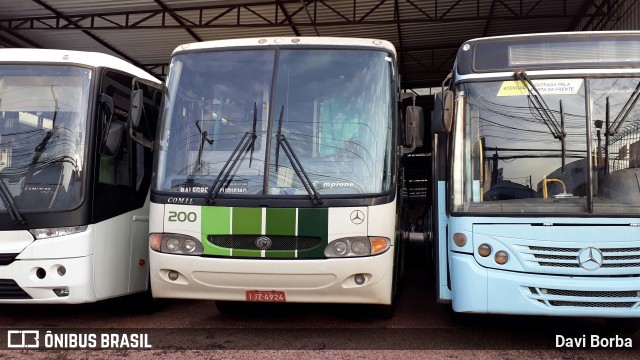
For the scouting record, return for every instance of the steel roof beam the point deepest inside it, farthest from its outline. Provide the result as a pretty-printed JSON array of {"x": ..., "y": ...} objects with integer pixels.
[
  {"x": 248, "y": 16},
  {"x": 178, "y": 19}
]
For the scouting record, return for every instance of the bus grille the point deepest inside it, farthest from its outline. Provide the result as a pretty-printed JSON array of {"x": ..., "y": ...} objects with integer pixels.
[
  {"x": 625, "y": 299},
  {"x": 9, "y": 289},
  {"x": 557, "y": 257},
  {"x": 6, "y": 259},
  {"x": 279, "y": 242}
]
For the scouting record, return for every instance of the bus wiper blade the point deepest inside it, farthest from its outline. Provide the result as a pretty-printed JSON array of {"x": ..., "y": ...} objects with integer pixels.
[
  {"x": 45, "y": 141},
  {"x": 247, "y": 139},
  {"x": 253, "y": 140},
  {"x": 624, "y": 113},
  {"x": 541, "y": 106},
  {"x": 282, "y": 142},
  {"x": 12, "y": 209},
  {"x": 204, "y": 137}
]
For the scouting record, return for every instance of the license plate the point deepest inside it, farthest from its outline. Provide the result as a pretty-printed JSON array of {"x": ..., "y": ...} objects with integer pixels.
[{"x": 266, "y": 296}]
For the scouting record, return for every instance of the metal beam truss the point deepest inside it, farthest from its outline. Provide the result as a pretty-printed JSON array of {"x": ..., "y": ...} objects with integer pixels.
[{"x": 311, "y": 17}]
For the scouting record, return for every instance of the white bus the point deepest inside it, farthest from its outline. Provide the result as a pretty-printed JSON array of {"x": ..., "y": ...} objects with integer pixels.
[
  {"x": 277, "y": 173},
  {"x": 75, "y": 172},
  {"x": 537, "y": 176}
]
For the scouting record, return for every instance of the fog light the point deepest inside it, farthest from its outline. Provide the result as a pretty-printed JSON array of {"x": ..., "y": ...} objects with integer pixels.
[
  {"x": 484, "y": 250},
  {"x": 460, "y": 239},
  {"x": 62, "y": 270},
  {"x": 501, "y": 257},
  {"x": 340, "y": 248},
  {"x": 189, "y": 245},
  {"x": 41, "y": 273},
  {"x": 173, "y": 275},
  {"x": 359, "y": 279},
  {"x": 173, "y": 244},
  {"x": 61, "y": 292}
]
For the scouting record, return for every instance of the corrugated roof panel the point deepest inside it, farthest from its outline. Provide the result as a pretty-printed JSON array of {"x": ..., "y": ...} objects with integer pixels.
[
  {"x": 143, "y": 46},
  {"x": 66, "y": 39}
]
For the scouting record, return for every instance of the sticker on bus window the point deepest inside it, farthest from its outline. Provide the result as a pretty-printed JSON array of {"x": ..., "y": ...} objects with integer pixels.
[{"x": 551, "y": 86}]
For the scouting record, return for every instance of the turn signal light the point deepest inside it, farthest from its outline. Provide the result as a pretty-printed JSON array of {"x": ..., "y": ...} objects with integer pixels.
[
  {"x": 460, "y": 239},
  {"x": 484, "y": 250},
  {"x": 379, "y": 245}
]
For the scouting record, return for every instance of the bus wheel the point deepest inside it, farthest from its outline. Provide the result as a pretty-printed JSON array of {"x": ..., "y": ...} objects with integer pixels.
[
  {"x": 229, "y": 307},
  {"x": 382, "y": 312},
  {"x": 625, "y": 325}
]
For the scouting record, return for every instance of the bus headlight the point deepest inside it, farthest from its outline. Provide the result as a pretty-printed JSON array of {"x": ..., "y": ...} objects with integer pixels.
[
  {"x": 54, "y": 232},
  {"x": 175, "y": 244},
  {"x": 357, "y": 246}
]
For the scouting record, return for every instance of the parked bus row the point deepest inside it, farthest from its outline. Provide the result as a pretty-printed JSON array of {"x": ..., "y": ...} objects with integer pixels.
[{"x": 278, "y": 175}]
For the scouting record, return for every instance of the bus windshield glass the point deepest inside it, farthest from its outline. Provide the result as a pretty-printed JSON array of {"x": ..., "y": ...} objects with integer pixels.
[
  {"x": 43, "y": 112},
  {"x": 328, "y": 117},
  {"x": 576, "y": 154}
]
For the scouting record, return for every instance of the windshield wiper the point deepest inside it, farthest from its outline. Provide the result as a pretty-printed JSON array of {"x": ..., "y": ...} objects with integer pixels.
[
  {"x": 204, "y": 137},
  {"x": 282, "y": 142},
  {"x": 12, "y": 209},
  {"x": 246, "y": 143},
  {"x": 624, "y": 112},
  {"x": 541, "y": 107},
  {"x": 45, "y": 141},
  {"x": 545, "y": 113}
]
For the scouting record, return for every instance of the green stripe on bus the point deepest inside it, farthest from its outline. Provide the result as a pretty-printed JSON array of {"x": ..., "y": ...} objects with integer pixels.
[
  {"x": 313, "y": 222},
  {"x": 281, "y": 222},
  {"x": 246, "y": 221},
  {"x": 280, "y": 254},
  {"x": 215, "y": 220}
]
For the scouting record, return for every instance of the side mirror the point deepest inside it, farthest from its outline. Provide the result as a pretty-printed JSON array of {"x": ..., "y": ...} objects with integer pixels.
[
  {"x": 107, "y": 102},
  {"x": 414, "y": 128},
  {"x": 442, "y": 114},
  {"x": 135, "y": 112}
]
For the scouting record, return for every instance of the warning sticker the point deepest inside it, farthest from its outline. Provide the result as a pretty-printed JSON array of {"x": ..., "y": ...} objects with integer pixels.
[{"x": 555, "y": 86}]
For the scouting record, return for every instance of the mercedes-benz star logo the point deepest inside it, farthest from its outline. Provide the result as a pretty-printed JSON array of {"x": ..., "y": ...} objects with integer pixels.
[
  {"x": 590, "y": 258},
  {"x": 357, "y": 217},
  {"x": 263, "y": 243}
]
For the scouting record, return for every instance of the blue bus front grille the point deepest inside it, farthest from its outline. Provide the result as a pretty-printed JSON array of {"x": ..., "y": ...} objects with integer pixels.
[{"x": 626, "y": 299}]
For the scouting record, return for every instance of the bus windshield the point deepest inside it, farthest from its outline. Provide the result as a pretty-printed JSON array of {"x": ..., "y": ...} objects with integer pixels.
[
  {"x": 43, "y": 112},
  {"x": 512, "y": 155},
  {"x": 333, "y": 108}
]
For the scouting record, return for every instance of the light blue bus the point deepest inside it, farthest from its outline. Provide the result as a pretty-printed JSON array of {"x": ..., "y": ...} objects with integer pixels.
[{"x": 537, "y": 177}]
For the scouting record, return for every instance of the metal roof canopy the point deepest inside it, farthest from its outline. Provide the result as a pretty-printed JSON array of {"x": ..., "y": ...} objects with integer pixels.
[{"x": 426, "y": 34}]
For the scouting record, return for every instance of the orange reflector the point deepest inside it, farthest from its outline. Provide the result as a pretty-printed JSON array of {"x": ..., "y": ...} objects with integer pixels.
[
  {"x": 154, "y": 241},
  {"x": 378, "y": 245}
]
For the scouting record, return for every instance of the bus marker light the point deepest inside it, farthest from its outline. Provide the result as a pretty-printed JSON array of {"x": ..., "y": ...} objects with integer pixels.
[
  {"x": 61, "y": 292},
  {"x": 173, "y": 275},
  {"x": 460, "y": 239},
  {"x": 141, "y": 262},
  {"x": 359, "y": 279},
  {"x": 379, "y": 245},
  {"x": 501, "y": 257},
  {"x": 61, "y": 270},
  {"x": 484, "y": 250},
  {"x": 154, "y": 241}
]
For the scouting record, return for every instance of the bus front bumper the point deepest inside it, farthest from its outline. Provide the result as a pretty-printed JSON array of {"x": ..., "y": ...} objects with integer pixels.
[
  {"x": 305, "y": 281},
  {"x": 36, "y": 281},
  {"x": 477, "y": 289}
]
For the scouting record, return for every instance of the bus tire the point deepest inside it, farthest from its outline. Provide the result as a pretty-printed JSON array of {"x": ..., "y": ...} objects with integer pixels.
[
  {"x": 229, "y": 307},
  {"x": 382, "y": 312}
]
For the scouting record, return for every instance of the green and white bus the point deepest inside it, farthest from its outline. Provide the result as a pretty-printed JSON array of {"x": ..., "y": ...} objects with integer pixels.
[{"x": 277, "y": 173}]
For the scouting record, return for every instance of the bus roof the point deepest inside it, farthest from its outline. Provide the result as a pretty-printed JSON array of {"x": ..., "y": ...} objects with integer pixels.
[
  {"x": 287, "y": 41},
  {"x": 53, "y": 56},
  {"x": 554, "y": 34}
]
